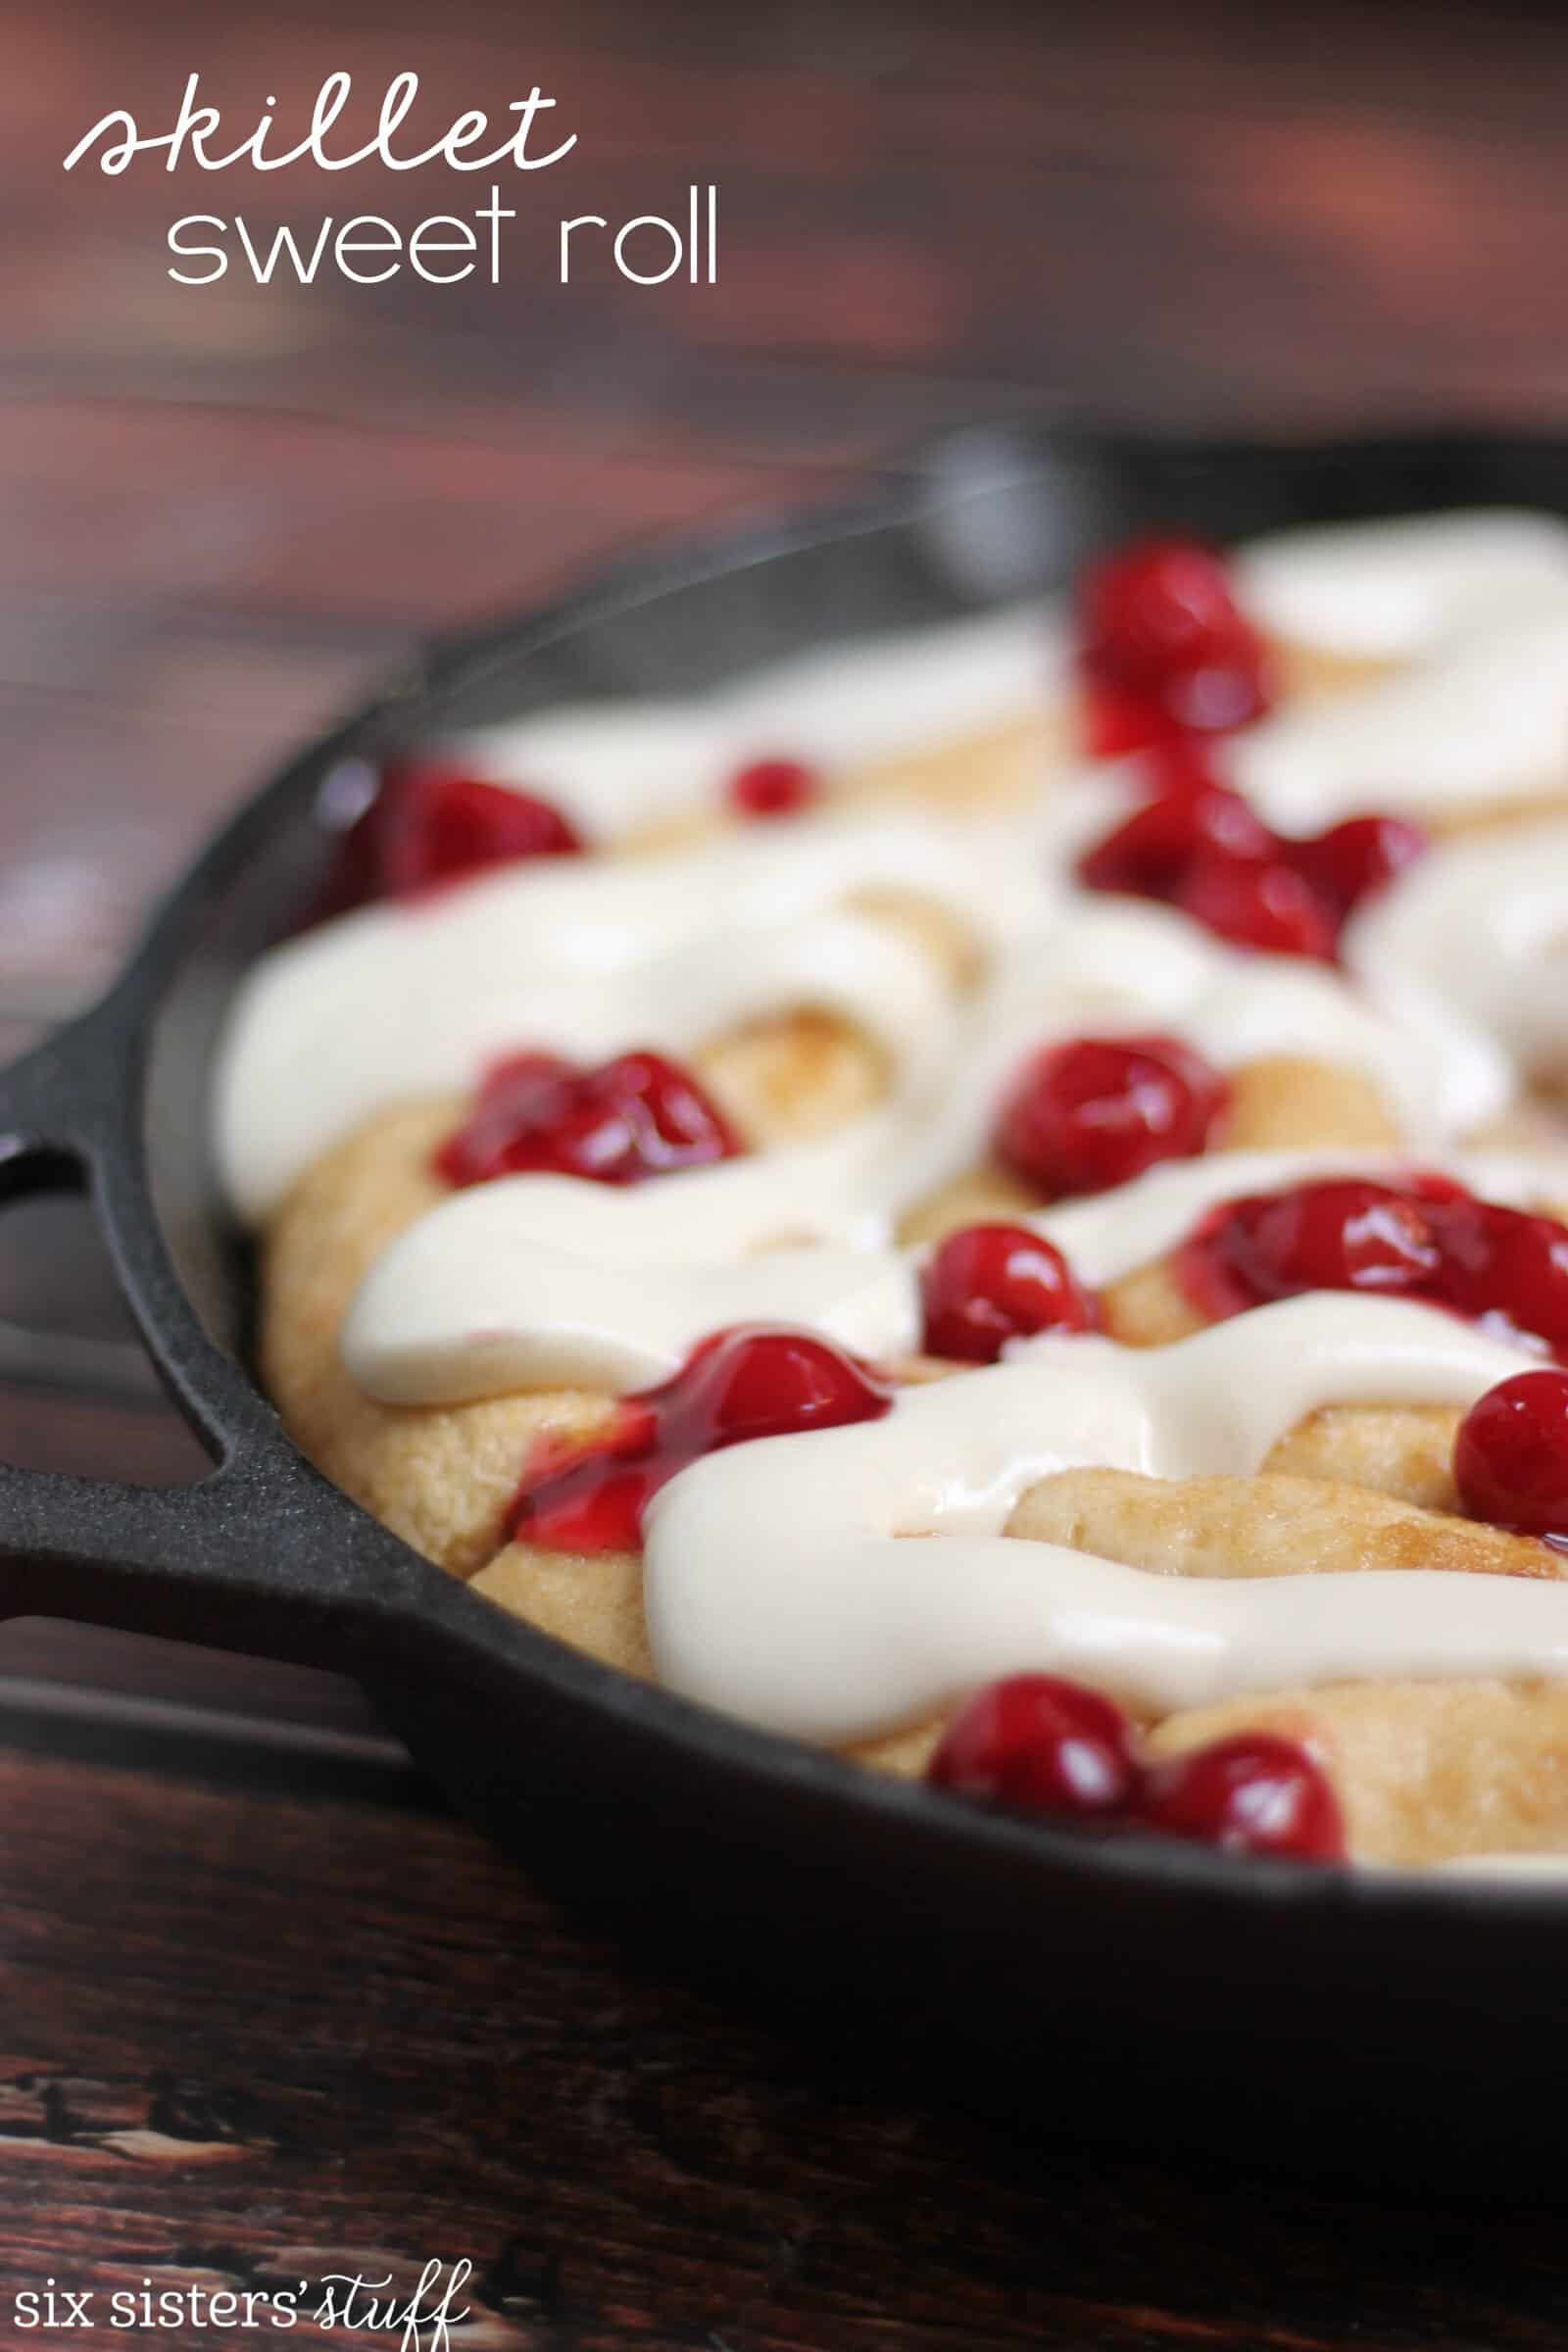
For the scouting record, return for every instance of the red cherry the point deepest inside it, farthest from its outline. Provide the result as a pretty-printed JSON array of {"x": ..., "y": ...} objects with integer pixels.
[
  {"x": 1158, "y": 605},
  {"x": 1182, "y": 768},
  {"x": 1082, "y": 1117},
  {"x": 988, "y": 1284},
  {"x": 1340, "y": 1234},
  {"x": 590, "y": 1496},
  {"x": 431, "y": 825},
  {"x": 1198, "y": 846},
  {"x": 522, "y": 1096},
  {"x": 745, "y": 1384},
  {"x": 1167, "y": 652},
  {"x": 736, "y": 1387},
  {"x": 1360, "y": 1237},
  {"x": 1256, "y": 903},
  {"x": 1216, "y": 697},
  {"x": 1041, "y": 1745},
  {"x": 1425, "y": 1237},
  {"x": 773, "y": 788},
  {"x": 1253, "y": 1793},
  {"x": 637, "y": 1116},
  {"x": 1510, "y": 1456},
  {"x": 1356, "y": 859},
  {"x": 1505, "y": 1264},
  {"x": 1150, "y": 852},
  {"x": 1116, "y": 720}
]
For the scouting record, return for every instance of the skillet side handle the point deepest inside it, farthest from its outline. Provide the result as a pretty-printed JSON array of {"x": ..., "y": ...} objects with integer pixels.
[
  {"x": 226, "y": 1563},
  {"x": 262, "y": 1556}
]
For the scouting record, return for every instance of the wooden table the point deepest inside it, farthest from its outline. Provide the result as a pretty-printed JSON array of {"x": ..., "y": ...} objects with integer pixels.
[{"x": 268, "y": 2012}]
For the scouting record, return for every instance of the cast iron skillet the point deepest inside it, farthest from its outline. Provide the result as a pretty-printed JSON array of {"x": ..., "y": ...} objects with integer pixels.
[{"x": 1142, "y": 1989}]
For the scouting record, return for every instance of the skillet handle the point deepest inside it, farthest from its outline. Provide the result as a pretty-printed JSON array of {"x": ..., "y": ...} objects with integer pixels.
[{"x": 263, "y": 1554}]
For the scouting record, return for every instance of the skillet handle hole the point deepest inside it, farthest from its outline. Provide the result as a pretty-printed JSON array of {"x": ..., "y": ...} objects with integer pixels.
[{"x": 77, "y": 1392}]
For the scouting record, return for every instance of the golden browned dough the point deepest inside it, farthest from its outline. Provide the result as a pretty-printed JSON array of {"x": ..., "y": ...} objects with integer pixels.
[
  {"x": 592, "y": 1600},
  {"x": 787, "y": 1077},
  {"x": 1148, "y": 1309},
  {"x": 978, "y": 1197},
  {"x": 1308, "y": 672},
  {"x": 1289, "y": 1102},
  {"x": 1401, "y": 1450},
  {"x": 440, "y": 1477},
  {"x": 1003, "y": 766},
  {"x": 1262, "y": 1526},
  {"x": 1424, "y": 1772},
  {"x": 1493, "y": 815}
]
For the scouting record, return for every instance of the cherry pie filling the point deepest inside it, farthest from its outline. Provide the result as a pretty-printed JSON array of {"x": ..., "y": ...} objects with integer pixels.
[
  {"x": 1094, "y": 1111},
  {"x": 1165, "y": 652},
  {"x": 1423, "y": 1239},
  {"x": 1196, "y": 844},
  {"x": 429, "y": 826},
  {"x": 766, "y": 788},
  {"x": 1510, "y": 1456},
  {"x": 735, "y": 1385},
  {"x": 1039, "y": 1745},
  {"x": 1169, "y": 664},
  {"x": 988, "y": 1284},
  {"x": 619, "y": 1122}
]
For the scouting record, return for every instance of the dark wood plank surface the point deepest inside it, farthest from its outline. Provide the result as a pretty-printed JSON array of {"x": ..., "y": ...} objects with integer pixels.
[
  {"x": 270, "y": 2038},
  {"x": 268, "y": 2010}
]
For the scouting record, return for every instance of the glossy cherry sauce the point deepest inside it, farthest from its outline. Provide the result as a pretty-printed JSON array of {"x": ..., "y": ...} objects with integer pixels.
[{"x": 736, "y": 1386}]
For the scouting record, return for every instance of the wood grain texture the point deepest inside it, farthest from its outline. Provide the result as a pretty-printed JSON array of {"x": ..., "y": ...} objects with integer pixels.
[
  {"x": 222, "y": 506},
  {"x": 259, "y": 2038}
]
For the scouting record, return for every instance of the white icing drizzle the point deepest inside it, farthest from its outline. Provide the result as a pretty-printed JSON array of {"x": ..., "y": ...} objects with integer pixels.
[
  {"x": 1475, "y": 608},
  {"x": 667, "y": 949},
  {"x": 614, "y": 768},
  {"x": 1476, "y": 932},
  {"x": 519, "y": 1282},
  {"x": 540, "y": 1281},
  {"x": 845, "y": 1583},
  {"x": 1395, "y": 591},
  {"x": 1485, "y": 718},
  {"x": 588, "y": 958}
]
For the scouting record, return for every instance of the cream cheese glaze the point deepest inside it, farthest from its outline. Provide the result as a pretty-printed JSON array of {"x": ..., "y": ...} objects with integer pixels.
[
  {"x": 852, "y": 1581},
  {"x": 540, "y": 1281},
  {"x": 1395, "y": 591},
  {"x": 1478, "y": 933},
  {"x": 1481, "y": 718},
  {"x": 584, "y": 958},
  {"x": 1474, "y": 607},
  {"x": 612, "y": 769},
  {"x": 670, "y": 948}
]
